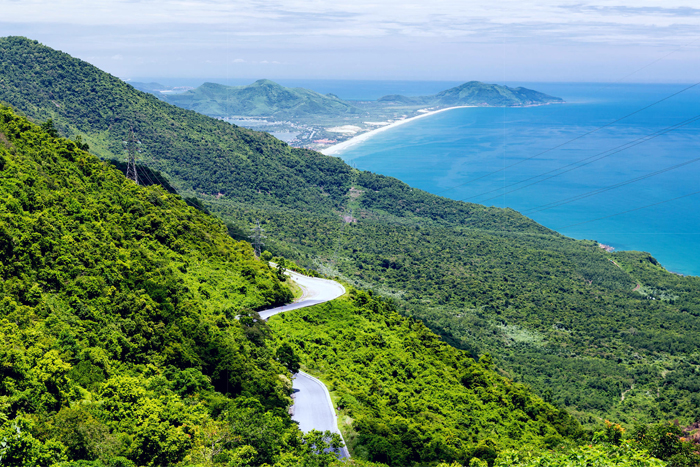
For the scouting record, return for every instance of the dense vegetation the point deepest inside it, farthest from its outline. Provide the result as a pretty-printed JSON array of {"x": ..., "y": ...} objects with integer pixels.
[
  {"x": 558, "y": 314},
  {"x": 128, "y": 338},
  {"x": 199, "y": 155},
  {"x": 263, "y": 98},
  {"x": 408, "y": 398},
  {"x": 127, "y": 330}
]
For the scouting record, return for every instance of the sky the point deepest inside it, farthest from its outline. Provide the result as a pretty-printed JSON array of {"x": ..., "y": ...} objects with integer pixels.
[{"x": 495, "y": 41}]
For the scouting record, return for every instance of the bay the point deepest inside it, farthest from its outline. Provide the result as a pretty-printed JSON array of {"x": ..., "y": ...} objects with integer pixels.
[{"x": 492, "y": 156}]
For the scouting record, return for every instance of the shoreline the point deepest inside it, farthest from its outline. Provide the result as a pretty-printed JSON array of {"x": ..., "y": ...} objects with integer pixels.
[{"x": 336, "y": 148}]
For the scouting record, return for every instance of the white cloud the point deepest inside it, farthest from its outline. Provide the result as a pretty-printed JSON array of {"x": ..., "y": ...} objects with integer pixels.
[
  {"x": 362, "y": 18},
  {"x": 363, "y": 37}
]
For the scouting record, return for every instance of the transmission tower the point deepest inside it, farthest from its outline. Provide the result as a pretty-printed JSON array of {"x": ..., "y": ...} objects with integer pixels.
[
  {"x": 132, "y": 148},
  {"x": 258, "y": 238}
]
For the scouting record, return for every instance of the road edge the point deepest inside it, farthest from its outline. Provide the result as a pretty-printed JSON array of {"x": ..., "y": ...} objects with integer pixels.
[{"x": 344, "y": 450}]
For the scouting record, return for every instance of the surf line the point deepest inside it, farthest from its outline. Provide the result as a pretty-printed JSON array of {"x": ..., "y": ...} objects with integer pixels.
[{"x": 336, "y": 148}]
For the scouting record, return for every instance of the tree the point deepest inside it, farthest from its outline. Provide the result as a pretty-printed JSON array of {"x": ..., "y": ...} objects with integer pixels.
[
  {"x": 49, "y": 128},
  {"x": 287, "y": 357}
]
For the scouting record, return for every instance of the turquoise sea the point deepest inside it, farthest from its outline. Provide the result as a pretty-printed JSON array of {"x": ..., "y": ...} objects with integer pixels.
[{"x": 481, "y": 154}]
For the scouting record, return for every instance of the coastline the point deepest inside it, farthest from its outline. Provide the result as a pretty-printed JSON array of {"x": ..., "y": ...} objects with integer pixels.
[{"x": 336, "y": 148}]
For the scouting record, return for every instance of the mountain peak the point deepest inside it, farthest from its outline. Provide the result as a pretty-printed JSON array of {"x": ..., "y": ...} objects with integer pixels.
[{"x": 266, "y": 82}]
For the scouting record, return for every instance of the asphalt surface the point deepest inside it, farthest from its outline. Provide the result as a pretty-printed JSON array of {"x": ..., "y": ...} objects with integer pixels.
[
  {"x": 313, "y": 408},
  {"x": 315, "y": 291}
]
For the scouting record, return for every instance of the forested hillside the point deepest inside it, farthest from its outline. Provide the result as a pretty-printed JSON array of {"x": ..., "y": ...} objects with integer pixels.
[
  {"x": 200, "y": 155},
  {"x": 128, "y": 337},
  {"x": 405, "y": 397},
  {"x": 127, "y": 330},
  {"x": 561, "y": 315}
]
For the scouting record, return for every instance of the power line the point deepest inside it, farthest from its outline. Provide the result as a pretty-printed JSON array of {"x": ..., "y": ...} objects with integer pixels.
[
  {"x": 630, "y": 210},
  {"x": 571, "y": 140},
  {"x": 652, "y": 62},
  {"x": 163, "y": 182},
  {"x": 595, "y": 157},
  {"x": 132, "y": 148},
  {"x": 611, "y": 187},
  {"x": 144, "y": 175}
]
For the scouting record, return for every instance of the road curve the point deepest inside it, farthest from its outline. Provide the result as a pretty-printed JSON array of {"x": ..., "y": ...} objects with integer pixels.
[
  {"x": 313, "y": 407},
  {"x": 315, "y": 290}
]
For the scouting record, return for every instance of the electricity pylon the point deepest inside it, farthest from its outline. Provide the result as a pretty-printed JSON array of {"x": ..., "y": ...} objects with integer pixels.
[
  {"x": 258, "y": 238},
  {"x": 132, "y": 148}
]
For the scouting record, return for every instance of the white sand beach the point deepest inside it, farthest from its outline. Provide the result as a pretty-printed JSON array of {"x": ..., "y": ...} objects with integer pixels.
[{"x": 336, "y": 148}]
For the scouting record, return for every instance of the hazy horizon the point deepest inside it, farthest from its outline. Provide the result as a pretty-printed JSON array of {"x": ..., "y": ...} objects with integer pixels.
[{"x": 506, "y": 41}]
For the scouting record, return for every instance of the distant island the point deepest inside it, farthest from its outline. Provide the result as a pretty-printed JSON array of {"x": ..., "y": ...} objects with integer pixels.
[{"x": 306, "y": 118}]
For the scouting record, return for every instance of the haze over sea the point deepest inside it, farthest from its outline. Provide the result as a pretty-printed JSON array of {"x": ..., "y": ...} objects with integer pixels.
[{"x": 448, "y": 153}]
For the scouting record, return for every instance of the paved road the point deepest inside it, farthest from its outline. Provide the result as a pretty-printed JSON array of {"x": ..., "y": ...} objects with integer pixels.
[
  {"x": 313, "y": 408},
  {"x": 315, "y": 291}
]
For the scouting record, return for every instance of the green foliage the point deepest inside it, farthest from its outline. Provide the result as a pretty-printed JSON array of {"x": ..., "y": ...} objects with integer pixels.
[
  {"x": 599, "y": 455},
  {"x": 407, "y": 398},
  {"x": 558, "y": 314},
  {"x": 19, "y": 447},
  {"x": 199, "y": 155},
  {"x": 667, "y": 441},
  {"x": 284, "y": 264},
  {"x": 128, "y": 331},
  {"x": 287, "y": 357}
]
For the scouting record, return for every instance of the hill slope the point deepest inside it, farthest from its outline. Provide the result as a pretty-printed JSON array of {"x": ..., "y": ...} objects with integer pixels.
[
  {"x": 559, "y": 314},
  {"x": 405, "y": 397},
  {"x": 128, "y": 338},
  {"x": 198, "y": 154},
  {"x": 264, "y": 98},
  {"x": 118, "y": 329}
]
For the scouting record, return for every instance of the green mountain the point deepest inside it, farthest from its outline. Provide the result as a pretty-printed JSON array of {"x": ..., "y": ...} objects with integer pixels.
[
  {"x": 477, "y": 93},
  {"x": 199, "y": 155},
  {"x": 561, "y": 315},
  {"x": 263, "y": 98}
]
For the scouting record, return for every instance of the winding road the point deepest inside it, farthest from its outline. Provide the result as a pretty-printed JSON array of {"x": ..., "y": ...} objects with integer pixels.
[
  {"x": 314, "y": 290},
  {"x": 313, "y": 408}
]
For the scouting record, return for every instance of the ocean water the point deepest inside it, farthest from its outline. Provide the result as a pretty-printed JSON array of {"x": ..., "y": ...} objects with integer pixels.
[{"x": 494, "y": 156}]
